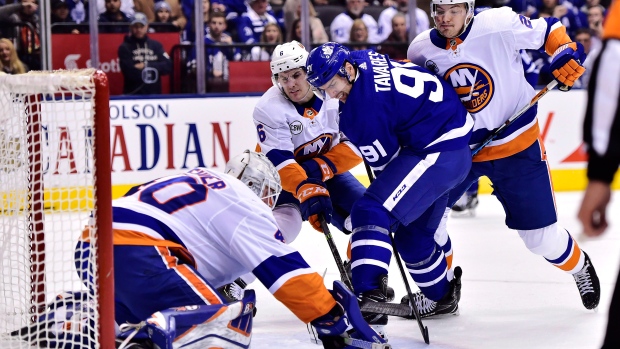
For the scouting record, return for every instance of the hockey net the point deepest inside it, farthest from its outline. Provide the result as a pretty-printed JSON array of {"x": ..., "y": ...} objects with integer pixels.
[{"x": 54, "y": 190}]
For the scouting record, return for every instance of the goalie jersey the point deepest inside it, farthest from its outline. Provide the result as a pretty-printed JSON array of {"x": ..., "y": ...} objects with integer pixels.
[
  {"x": 215, "y": 223},
  {"x": 484, "y": 66},
  {"x": 290, "y": 133}
]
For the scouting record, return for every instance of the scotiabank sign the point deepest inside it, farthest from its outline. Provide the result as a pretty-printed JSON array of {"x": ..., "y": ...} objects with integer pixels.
[{"x": 72, "y": 51}]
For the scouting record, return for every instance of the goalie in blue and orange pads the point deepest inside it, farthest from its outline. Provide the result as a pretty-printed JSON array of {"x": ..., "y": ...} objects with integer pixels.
[{"x": 177, "y": 241}]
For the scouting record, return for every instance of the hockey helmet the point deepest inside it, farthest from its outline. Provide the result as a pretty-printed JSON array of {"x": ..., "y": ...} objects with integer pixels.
[
  {"x": 285, "y": 57},
  {"x": 470, "y": 4},
  {"x": 326, "y": 61},
  {"x": 258, "y": 173}
]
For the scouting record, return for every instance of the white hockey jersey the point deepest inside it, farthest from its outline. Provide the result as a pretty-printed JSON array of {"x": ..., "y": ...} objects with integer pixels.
[
  {"x": 340, "y": 28},
  {"x": 385, "y": 22},
  {"x": 484, "y": 66},
  {"x": 289, "y": 133},
  {"x": 216, "y": 223}
]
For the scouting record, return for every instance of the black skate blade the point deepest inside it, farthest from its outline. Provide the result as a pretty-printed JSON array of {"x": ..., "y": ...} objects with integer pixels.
[{"x": 392, "y": 309}]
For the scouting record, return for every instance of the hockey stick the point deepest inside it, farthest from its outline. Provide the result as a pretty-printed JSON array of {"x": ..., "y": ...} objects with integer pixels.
[
  {"x": 391, "y": 309},
  {"x": 423, "y": 329},
  {"x": 332, "y": 247},
  {"x": 550, "y": 86}
]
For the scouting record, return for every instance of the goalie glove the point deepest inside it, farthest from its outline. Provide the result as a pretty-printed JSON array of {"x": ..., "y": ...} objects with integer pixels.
[
  {"x": 314, "y": 199},
  {"x": 320, "y": 168},
  {"x": 566, "y": 64}
]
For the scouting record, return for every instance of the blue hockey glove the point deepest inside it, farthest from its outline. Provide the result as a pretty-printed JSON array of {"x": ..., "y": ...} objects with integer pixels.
[
  {"x": 566, "y": 64},
  {"x": 314, "y": 199},
  {"x": 320, "y": 168},
  {"x": 359, "y": 330}
]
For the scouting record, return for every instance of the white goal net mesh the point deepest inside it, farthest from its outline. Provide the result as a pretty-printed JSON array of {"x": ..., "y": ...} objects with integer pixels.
[{"x": 48, "y": 202}]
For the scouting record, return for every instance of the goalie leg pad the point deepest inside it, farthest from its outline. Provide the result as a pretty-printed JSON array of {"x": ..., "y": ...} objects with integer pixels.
[{"x": 204, "y": 326}]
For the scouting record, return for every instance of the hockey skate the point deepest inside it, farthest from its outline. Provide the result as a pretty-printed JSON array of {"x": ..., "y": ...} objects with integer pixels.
[
  {"x": 389, "y": 290},
  {"x": 448, "y": 305},
  {"x": 380, "y": 295},
  {"x": 588, "y": 284},
  {"x": 465, "y": 206}
]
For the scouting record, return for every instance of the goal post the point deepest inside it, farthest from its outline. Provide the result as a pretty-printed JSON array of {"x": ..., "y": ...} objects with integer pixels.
[{"x": 55, "y": 190}]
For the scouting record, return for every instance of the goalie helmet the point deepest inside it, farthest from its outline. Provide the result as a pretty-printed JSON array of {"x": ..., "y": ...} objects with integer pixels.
[
  {"x": 258, "y": 173},
  {"x": 285, "y": 57},
  {"x": 469, "y": 9}
]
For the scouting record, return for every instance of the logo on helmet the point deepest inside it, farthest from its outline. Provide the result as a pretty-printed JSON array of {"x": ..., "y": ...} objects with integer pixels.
[{"x": 327, "y": 51}]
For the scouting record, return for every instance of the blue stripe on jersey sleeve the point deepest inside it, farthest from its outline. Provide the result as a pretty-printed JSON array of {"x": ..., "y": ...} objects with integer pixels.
[
  {"x": 277, "y": 156},
  {"x": 272, "y": 268},
  {"x": 123, "y": 215}
]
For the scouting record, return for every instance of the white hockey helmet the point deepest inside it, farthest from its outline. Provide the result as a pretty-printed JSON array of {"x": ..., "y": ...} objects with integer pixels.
[
  {"x": 287, "y": 56},
  {"x": 258, "y": 173},
  {"x": 470, "y": 4}
]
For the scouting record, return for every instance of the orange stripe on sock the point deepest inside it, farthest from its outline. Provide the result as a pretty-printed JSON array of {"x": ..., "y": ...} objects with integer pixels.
[
  {"x": 449, "y": 261},
  {"x": 571, "y": 263}
]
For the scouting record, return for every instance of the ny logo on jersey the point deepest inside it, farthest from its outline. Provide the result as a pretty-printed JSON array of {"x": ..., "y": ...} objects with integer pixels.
[
  {"x": 473, "y": 84},
  {"x": 315, "y": 147}
]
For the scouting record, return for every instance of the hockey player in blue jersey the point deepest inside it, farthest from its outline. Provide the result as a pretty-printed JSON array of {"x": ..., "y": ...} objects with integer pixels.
[
  {"x": 479, "y": 56},
  {"x": 413, "y": 132}
]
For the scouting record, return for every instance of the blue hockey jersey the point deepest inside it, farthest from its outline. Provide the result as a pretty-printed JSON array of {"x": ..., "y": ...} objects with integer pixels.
[{"x": 393, "y": 105}]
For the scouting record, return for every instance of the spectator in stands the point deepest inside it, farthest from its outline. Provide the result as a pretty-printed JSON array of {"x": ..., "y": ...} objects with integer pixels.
[
  {"x": 569, "y": 15},
  {"x": 163, "y": 22},
  {"x": 402, "y": 6},
  {"x": 143, "y": 60},
  {"x": 127, "y": 6},
  {"x": 149, "y": 8},
  {"x": 340, "y": 28},
  {"x": 60, "y": 19},
  {"x": 358, "y": 39},
  {"x": 113, "y": 20},
  {"x": 188, "y": 11},
  {"x": 253, "y": 23},
  {"x": 27, "y": 33},
  {"x": 9, "y": 10},
  {"x": 292, "y": 12},
  {"x": 9, "y": 62},
  {"x": 398, "y": 40},
  {"x": 218, "y": 58},
  {"x": 271, "y": 35},
  {"x": 595, "y": 20}
]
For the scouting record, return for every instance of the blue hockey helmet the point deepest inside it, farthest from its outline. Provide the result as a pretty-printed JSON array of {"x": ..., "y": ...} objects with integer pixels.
[{"x": 326, "y": 61}]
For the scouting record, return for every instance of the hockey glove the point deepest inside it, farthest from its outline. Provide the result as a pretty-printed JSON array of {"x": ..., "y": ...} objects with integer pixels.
[
  {"x": 330, "y": 326},
  {"x": 314, "y": 199},
  {"x": 566, "y": 64},
  {"x": 320, "y": 168}
]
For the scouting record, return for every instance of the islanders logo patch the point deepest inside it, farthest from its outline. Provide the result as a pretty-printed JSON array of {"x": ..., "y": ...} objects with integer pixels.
[{"x": 473, "y": 84}]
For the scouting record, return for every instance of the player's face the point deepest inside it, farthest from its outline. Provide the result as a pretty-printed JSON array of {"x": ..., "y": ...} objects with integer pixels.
[
  {"x": 450, "y": 19},
  {"x": 338, "y": 87},
  {"x": 295, "y": 85}
]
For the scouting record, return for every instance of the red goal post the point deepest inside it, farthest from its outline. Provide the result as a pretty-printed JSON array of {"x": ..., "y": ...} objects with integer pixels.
[{"x": 55, "y": 188}]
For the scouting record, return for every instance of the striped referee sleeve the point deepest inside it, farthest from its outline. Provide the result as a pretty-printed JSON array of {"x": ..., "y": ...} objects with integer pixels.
[{"x": 601, "y": 128}]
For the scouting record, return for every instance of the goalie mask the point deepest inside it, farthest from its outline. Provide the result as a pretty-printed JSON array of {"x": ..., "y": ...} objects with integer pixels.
[
  {"x": 469, "y": 11},
  {"x": 258, "y": 173}
]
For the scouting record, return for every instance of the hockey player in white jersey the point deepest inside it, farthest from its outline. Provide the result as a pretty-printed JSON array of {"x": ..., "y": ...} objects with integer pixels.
[
  {"x": 178, "y": 238},
  {"x": 479, "y": 56},
  {"x": 298, "y": 131}
]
